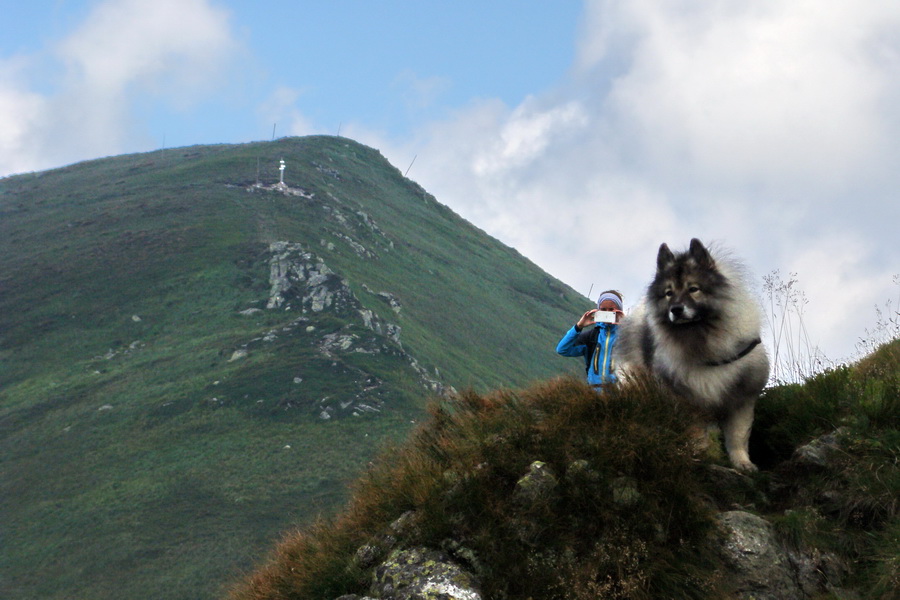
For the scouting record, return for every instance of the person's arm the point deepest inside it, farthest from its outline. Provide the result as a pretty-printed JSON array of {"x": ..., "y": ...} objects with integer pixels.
[
  {"x": 567, "y": 346},
  {"x": 570, "y": 345}
]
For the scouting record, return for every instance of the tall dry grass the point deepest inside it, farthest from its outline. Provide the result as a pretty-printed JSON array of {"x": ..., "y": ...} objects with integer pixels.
[{"x": 459, "y": 471}]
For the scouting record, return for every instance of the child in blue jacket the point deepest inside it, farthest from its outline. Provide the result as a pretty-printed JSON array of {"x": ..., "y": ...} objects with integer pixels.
[{"x": 593, "y": 339}]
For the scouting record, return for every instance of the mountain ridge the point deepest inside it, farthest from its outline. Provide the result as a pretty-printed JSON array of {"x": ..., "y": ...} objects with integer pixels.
[{"x": 187, "y": 342}]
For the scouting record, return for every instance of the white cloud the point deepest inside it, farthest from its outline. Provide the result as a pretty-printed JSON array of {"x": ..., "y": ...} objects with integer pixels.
[
  {"x": 525, "y": 135},
  {"x": 124, "y": 52},
  {"x": 843, "y": 288},
  {"x": 21, "y": 112},
  {"x": 780, "y": 94},
  {"x": 171, "y": 45},
  {"x": 771, "y": 127},
  {"x": 280, "y": 109}
]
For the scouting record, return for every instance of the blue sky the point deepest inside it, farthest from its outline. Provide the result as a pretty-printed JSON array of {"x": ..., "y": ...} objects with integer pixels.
[
  {"x": 392, "y": 65},
  {"x": 583, "y": 134}
]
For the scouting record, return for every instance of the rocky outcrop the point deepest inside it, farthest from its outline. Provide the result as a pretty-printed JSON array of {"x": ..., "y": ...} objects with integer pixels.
[
  {"x": 759, "y": 565},
  {"x": 423, "y": 574},
  {"x": 377, "y": 549},
  {"x": 818, "y": 452},
  {"x": 301, "y": 282},
  {"x": 535, "y": 486},
  {"x": 375, "y": 323},
  {"x": 415, "y": 573},
  {"x": 329, "y": 171},
  {"x": 388, "y": 297},
  {"x": 371, "y": 225},
  {"x": 356, "y": 223},
  {"x": 281, "y": 188},
  {"x": 430, "y": 382},
  {"x": 763, "y": 569}
]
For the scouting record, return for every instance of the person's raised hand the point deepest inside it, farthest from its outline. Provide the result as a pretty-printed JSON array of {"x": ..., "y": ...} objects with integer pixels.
[{"x": 586, "y": 319}]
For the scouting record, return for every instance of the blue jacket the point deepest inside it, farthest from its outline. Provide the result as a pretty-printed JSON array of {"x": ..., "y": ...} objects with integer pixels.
[{"x": 595, "y": 344}]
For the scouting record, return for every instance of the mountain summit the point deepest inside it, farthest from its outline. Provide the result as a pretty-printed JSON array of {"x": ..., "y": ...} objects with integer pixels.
[{"x": 200, "y": 348}]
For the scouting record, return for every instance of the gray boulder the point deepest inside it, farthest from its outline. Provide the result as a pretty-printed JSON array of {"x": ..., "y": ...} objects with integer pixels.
[
  {"x": 817, "y": 571},
  {"x": 423, "y": 574},
  {"x": 625, "y": 491},
  {"x": 761, "y": 568},
  {"x": 536, "y": 486},
  {"x": 818, "y": 452},
  {"x": 368, "y": 555}
]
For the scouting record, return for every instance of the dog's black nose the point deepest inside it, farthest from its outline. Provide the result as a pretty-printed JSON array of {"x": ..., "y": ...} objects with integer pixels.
[{"x": 677, "y": 310}]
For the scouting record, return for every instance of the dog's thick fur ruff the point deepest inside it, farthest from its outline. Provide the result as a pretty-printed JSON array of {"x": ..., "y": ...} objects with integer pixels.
[{"x": 698, "y": 330}]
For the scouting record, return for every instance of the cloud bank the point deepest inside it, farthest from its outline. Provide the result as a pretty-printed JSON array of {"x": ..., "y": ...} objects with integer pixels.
[{"x": 773, "y": 128}]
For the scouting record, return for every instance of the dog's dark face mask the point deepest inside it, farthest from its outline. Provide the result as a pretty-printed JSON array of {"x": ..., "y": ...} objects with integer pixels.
[{"x": 687, "y": 286}]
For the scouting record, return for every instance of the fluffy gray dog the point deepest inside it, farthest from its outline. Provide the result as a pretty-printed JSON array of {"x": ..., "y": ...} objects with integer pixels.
[{"x": 698, "y": 330}]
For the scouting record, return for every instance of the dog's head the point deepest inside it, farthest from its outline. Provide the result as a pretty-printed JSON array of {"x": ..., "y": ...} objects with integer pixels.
[{"x": 687, "y": 287}]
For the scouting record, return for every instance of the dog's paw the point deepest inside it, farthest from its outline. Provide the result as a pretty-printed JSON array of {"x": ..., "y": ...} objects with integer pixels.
[{"x": 744, "y": 466}]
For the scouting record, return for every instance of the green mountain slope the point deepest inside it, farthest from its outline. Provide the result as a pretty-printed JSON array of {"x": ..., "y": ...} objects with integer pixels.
[{"x": 194, "y": 358}]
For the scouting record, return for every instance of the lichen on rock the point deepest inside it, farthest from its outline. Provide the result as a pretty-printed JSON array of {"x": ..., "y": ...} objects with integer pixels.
[
  {"x": 536, "y": 485},
  {"x": 423, "y": 574}
]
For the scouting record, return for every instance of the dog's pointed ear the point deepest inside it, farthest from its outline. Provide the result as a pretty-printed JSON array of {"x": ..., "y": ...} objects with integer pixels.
[
  {"x": 700, "y": 254},
  {"x": 664, "y": 258}
]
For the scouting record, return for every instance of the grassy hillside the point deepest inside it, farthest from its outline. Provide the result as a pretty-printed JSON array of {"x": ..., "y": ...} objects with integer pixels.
[
  {"x": 156, "y": 433},
  {"x": 631, "y": 513}
]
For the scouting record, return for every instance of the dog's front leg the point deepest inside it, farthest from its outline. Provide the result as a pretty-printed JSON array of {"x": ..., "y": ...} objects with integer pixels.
[{"x": 736, "y": 429}]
